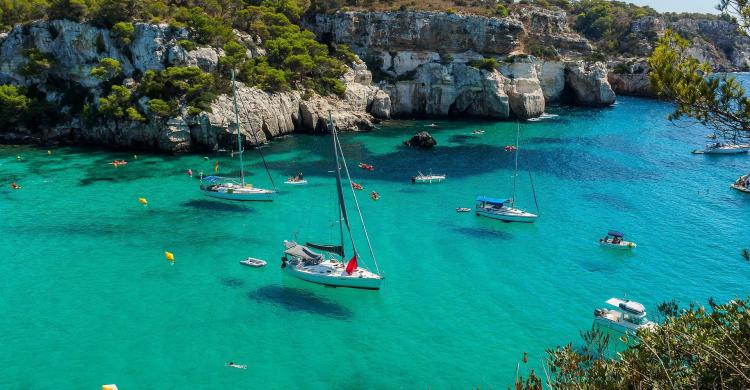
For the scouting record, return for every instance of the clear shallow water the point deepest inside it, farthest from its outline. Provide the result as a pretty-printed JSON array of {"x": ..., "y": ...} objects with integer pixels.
[{"x": 88, "y": 298}]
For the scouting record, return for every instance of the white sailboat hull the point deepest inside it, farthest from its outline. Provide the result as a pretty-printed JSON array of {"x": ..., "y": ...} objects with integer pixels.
[
  {"x": 429, "y": 179},
  {"x": 624, "y": 245},
  {"x": 507, "y": 214},
  {"x": 620, "y": 326},
  {"x": 241, "y": 194},
  {"x": 727, "y": 149},
  {"x": 333, "y": 273}
]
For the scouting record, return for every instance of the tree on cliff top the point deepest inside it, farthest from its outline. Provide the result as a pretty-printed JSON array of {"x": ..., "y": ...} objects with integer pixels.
[
  {"x": 696, "y": 348},
  {"x": 715, "y": 100}
]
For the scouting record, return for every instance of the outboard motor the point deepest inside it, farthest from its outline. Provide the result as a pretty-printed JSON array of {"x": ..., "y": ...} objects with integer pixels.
[{"x": 283, "y": 262}]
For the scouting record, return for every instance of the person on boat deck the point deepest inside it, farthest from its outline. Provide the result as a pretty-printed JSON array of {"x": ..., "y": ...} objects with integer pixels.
[
  {"x": 299, "y": 176},
  {"x": 616, "y": 240}
]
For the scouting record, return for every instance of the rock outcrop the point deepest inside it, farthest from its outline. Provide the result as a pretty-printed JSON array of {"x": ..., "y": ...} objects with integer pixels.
[
  {"x": 589, "y": 84},
  {"x": 427, "y": 61},
  {"x": 630, "y": 79},
  {"x": 422, "y": 140}
]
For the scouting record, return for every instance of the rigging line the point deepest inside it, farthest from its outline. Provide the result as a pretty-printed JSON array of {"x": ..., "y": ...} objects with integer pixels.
[
  {"x": 239, "y": 138},
  {"x": 533, "y": 191},
  {"x": 515, "y": 172},
  {"x": 356, "y": 203},
  {"x": 339, "y": 189},
  {"x": 259, "y": 149}
]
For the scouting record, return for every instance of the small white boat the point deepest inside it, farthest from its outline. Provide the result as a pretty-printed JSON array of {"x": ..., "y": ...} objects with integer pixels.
[
  {"x": 615, "y": 240},
  {"x": 742, "y": 184},
  {"x": 462, "y": 209},
  {"x": 229, "y": 189},
  {"x": 427, "y": 179},
  {"x": 296, "y": 182},
  {"x": 253, "y": 262},
  {"x": 719, "y": 148},
  {"x": 628, "y": 317},
  {"x": 496, "y": 209},
  {"x": 478, "y": 132},
  {"x": 431, "y": 125}
]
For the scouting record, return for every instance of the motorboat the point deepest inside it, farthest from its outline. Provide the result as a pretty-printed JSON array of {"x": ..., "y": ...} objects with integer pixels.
[
  {"x": 427, "y": 179},
  {"x": 304, "y": 263},
  {"x": 235, "y": 188},
  {"x": 296, "y": 182},
  {"x": 253, "y": 262},
  {"x": 505, "y": 209},
  {"x": 462, "y": 209},
  {"x": 230, "y": 189},
  {"x": 431, "y": 125},
  {"x": 614, "y": 239},
  {"x": 478, "y": 132},
  {"x": 626, "y": 317},
  {"x": 495, "y": 208},
  {"x": 723, "y": 148},
  {"x": 742, "y": 184}
]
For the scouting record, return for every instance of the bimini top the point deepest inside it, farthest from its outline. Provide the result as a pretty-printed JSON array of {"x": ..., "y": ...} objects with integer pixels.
[
  {"x": 629, "y": 306},
  {"x": 615, "y": 234},
  {"x": 492, "y": 200}
]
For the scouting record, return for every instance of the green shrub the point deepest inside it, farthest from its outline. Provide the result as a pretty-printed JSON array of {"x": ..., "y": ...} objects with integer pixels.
[
  {"x": 13, "y": 104},
  {"x": 160, "y": 108},
  {"x": 187, "y": 44},
  {"x": 123, "y": 32},
  {"x": 193, "y": 111},
  {"x": 206, "y": 29},
  {"x": 134, "y": 115},
  {"x": 115, "y": 104},
  {"x": 75, "y": 10},
  {"x": 488, "y": 64},
  {"x": 501, "y": 11},
  {"x": 36, "y": 63},
  {"x": 108, "y": 69}
]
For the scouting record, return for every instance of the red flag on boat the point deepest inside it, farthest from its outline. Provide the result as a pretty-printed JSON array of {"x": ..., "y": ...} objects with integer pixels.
[{"x": 352, "y": 265}]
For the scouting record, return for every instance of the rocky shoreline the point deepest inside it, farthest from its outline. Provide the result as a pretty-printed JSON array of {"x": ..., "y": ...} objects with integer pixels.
[{"x": 426, "y": 64}]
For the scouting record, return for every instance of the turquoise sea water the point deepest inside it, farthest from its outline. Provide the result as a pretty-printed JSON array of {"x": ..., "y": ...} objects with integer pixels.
[{"x": 88, "y": 298}]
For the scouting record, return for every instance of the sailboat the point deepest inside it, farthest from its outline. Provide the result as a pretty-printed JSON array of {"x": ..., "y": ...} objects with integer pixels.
[
  {"x": 235, "y": 188},
  {"x": 505, "y": 209},
  {"x": 303, "y": 262}
]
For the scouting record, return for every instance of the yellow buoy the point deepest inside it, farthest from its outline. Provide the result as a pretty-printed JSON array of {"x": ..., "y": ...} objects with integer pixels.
[
  {"x": 169, "y": 256},
  {"x": 143, "y": 201},
  {"x": 109, "y": 387}
]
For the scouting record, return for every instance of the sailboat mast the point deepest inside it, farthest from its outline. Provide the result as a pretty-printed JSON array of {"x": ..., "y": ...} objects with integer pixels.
[
  {"x": 515, "y": 171},
  {"x": 239, "y": 138},
  {"x": 344, "y": 220}
]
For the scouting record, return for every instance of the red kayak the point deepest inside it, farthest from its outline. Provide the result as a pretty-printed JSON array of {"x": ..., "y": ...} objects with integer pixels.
[{"x": 366, "y": 166}]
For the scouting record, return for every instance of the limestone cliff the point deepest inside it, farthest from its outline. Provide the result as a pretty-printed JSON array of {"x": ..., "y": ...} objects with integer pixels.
[{"x": 425, "y": 61}]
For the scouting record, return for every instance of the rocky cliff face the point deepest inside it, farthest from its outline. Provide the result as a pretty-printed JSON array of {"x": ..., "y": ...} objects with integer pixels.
[
  {"x": 76, "y": 48},
  {"x": 425, "y": 61},
  {"x": 717, "y": 42}
]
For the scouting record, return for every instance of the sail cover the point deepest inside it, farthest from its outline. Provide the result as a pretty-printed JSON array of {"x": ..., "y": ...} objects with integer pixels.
[{"x": 335, "y": 249}]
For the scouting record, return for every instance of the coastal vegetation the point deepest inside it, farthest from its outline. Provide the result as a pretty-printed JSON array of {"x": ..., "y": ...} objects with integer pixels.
[
  {"x": 716, "y": 100},
  {"x": 695, "y": 347},
  {"x": 294, "y": 59}
]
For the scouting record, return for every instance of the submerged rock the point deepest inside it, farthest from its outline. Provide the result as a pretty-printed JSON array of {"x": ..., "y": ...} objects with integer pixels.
[{"x": 421, "y": 140}]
